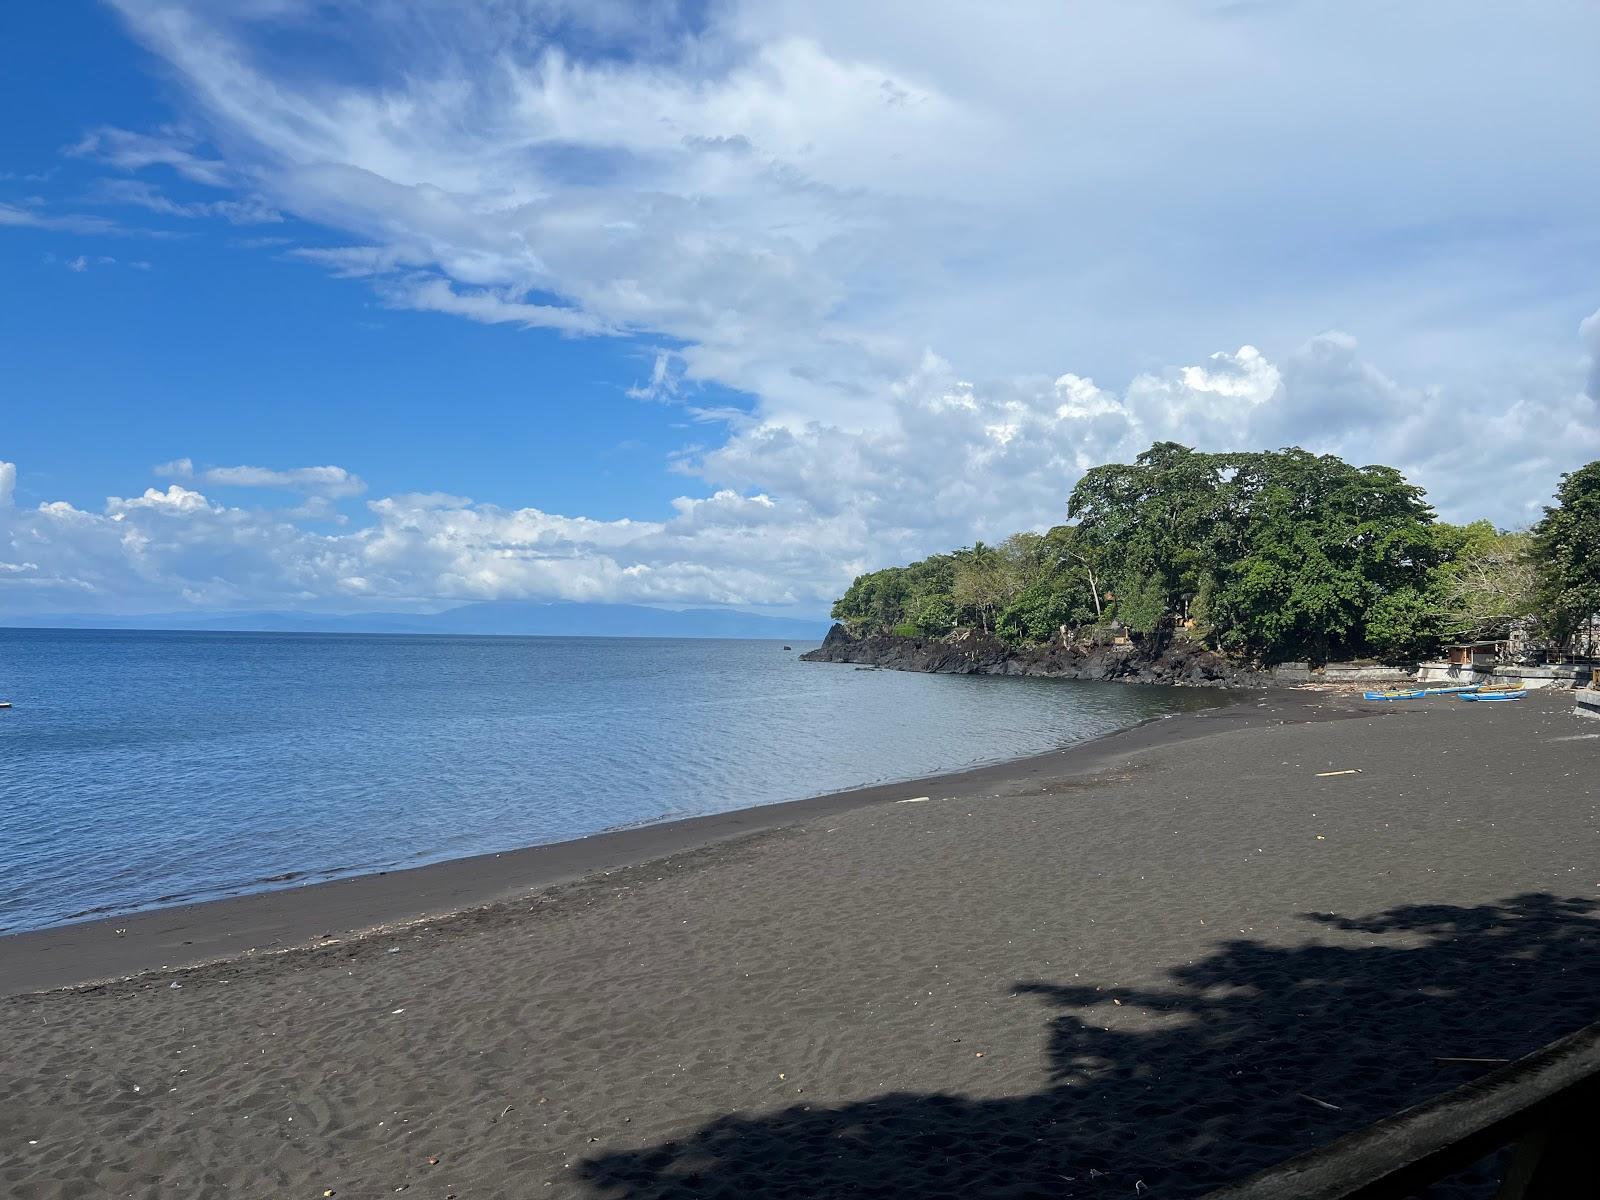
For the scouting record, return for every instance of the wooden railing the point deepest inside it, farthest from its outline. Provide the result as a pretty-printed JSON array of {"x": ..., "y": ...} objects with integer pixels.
[{"x": 1546, "y": 1105}]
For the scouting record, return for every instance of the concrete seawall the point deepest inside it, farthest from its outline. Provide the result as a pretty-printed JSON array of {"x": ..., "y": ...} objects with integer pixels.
[{"x": 1506, "y": 675}]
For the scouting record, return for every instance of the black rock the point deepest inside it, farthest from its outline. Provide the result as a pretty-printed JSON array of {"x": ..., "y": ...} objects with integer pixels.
[{"x": 972, "y": 652}]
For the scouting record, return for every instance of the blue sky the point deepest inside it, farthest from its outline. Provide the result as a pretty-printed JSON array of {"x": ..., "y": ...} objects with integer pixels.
[
  {"x": 345, "y": 306},
  {"x": 223, "y": 349}
]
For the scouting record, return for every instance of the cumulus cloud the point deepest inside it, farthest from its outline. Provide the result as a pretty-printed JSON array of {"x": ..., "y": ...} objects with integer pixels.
[
  {"x": 179, "y": 546},
  {"x": 946, "y": 251},
  {"x": 788, "y": 513}
]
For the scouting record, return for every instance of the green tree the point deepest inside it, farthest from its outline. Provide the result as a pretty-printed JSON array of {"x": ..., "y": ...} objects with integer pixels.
[
  {"x": 1565, "y": 551},
  {"x": 1153, "y": 518},
  {"x": 985, "y": 580},
  {"x": 1141, "y": 604},
  {"x": 874, "y": 603},
  {"x": 1406, "y": 624},
  {"x": 1277, "y": 554},
  {"x": 1305, "y": 546},
  {"x": 1485, "y": 581},
  {"x": 933, "y": 613}
]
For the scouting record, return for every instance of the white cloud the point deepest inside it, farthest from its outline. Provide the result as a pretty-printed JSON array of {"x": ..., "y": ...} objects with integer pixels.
[
  {"x": 329, "y": 482},
  {"x": 27, "y": 219},
  {"x": 176, "y": 499},
  {"x": 251, "y": 210},
  {"x": 83, "y": 262},
  {"x": 946, "y": 249},
  {"x": 665, "y": 379},
  {"x": 789, "y": 512},
  {"x": 133, "y": 151},
  {"x": 8, "y": 483},
  {"x": 178, "y": 468},
  {"x": 810, "y": 195},
  {"x": 488, "y": 307},
  {"x": 179, "y": 547},
  {"x": 1589, "y": 331}
]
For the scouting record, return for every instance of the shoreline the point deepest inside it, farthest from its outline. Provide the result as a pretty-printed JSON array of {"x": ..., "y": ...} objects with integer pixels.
[
  {"x": 106, "y": 948},
  {"x": 1170, "y": 957}
]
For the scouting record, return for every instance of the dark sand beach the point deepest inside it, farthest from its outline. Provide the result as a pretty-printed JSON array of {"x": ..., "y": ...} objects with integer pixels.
[{"x": 1144, "y": 967}]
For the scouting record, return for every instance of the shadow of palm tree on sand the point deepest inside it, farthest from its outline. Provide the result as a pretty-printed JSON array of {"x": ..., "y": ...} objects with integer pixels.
[{"x": 1222, "y": 1077}]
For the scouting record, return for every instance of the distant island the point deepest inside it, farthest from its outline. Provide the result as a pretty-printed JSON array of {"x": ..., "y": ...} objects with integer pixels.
[
  {"x": 1192, "y": 567},
  {"x": 505, "y": 618}
]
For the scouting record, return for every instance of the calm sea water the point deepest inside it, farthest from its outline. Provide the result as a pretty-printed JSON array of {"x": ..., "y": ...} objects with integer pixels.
[{"x": 139, "y": 769}]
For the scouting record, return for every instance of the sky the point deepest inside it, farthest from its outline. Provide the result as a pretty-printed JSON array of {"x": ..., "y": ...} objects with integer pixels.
[{"x": 356, "y": 305}]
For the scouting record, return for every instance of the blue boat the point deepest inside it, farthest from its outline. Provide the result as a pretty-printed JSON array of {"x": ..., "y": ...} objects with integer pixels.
[
  {"x": 1487, "y": 697},
  {"x": 1416, "y": 695}
]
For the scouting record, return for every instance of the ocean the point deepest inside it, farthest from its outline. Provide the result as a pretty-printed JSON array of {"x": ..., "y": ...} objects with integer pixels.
[{"x": 141, "y": 769}]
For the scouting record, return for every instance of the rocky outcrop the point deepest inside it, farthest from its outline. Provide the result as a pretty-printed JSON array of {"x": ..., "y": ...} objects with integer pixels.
[{"x": 969, "y": 652}]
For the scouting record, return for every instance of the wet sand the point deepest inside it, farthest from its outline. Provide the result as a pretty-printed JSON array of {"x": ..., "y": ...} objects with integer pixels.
[{"x": 1165, "y": 959}]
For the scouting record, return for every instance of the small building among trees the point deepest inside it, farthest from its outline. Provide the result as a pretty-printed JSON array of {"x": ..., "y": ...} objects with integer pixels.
[{"x": 1477, "y": 654}]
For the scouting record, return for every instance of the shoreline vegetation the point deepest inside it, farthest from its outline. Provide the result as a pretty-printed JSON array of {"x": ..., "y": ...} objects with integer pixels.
[
  {"x": 1220, "y": 566},
  {"x": 1126, "y": 963}
]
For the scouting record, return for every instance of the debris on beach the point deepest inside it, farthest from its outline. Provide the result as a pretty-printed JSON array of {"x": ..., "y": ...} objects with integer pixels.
[{"x": 1330, "y": 774}]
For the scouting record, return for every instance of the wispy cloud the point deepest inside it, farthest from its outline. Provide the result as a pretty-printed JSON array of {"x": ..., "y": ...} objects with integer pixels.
[
  {"x": 72, "y": 223},
  {"x": 251, "y": 210},
  {"x": 487, "y": 306},
  {"x": 132, "y": 151},
  {"x": 328, "y": 482}
]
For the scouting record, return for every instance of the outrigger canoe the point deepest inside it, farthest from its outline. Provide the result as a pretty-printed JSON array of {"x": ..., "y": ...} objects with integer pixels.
[
  {"x": 1484, "y": 697},
  {"x": 1422, "y": 693}
]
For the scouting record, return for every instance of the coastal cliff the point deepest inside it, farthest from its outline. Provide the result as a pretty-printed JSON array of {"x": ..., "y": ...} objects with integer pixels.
[{"x": 969, "y": 652}]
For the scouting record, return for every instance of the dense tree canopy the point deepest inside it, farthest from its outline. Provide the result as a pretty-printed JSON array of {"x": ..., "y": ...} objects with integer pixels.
[
  {"x": 1566, "y": 554},
  {"x": 1268, "y": 555}
]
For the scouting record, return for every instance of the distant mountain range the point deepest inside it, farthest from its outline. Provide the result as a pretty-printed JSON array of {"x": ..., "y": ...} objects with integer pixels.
[{"x": 507, "y": 618}]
